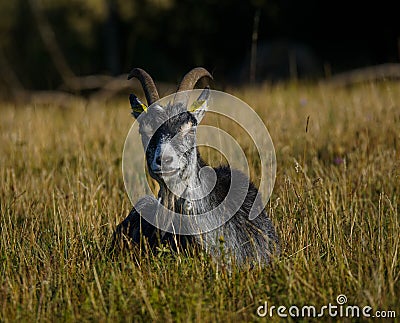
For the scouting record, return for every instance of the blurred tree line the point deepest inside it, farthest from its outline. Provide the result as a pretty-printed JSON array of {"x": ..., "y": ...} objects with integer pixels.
[{"x": 168, "y": 37}]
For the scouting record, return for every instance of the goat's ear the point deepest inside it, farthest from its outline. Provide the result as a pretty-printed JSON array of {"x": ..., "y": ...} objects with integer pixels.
[
  {"x": 199, "y": 107},
  {"x": 137, "y": 106}
]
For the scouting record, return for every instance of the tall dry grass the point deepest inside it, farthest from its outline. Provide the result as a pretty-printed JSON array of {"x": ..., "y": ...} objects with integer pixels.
[{"x": 335, "y": 205}]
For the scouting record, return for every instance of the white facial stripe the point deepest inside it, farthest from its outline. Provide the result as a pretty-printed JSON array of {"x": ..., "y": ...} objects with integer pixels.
[{"x": 147, "y": 130}]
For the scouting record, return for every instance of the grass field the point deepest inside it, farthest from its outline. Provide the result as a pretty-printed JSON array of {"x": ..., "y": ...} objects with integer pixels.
[{"x": 336, "y": 207}]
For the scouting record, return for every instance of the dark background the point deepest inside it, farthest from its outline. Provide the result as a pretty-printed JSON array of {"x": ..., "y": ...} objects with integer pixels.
[{"x": 306, "y": 39}]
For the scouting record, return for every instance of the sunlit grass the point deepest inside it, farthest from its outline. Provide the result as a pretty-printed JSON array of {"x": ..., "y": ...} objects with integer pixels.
[{"x": 335, "y": 205}]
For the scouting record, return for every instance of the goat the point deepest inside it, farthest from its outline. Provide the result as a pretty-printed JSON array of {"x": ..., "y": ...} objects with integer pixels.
[{"x": 169, "y": 138}]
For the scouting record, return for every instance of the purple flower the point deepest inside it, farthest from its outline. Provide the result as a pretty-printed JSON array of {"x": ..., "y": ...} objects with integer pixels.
[
  {"x": 303, "y": 102},
  {"x": 338, "y": 160}
]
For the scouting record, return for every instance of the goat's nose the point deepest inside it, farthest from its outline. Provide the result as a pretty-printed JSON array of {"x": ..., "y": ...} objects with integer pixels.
[{"x": 164, "y": 160}]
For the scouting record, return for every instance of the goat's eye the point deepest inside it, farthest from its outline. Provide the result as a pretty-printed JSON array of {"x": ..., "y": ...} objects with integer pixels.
[{"x": 188, "y": 129}]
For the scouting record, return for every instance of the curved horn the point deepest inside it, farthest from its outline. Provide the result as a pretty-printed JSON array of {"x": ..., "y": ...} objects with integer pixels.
[
  {"x": 149, "y": 88},
  {"x": 191, "y": 78}
]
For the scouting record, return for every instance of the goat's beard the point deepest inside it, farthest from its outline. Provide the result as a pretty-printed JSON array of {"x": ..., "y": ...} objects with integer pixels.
[{"x": 184, "y": 180}]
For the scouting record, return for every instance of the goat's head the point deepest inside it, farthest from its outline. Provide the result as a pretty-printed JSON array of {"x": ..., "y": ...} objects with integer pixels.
[{"x": 169, "y": 132}]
